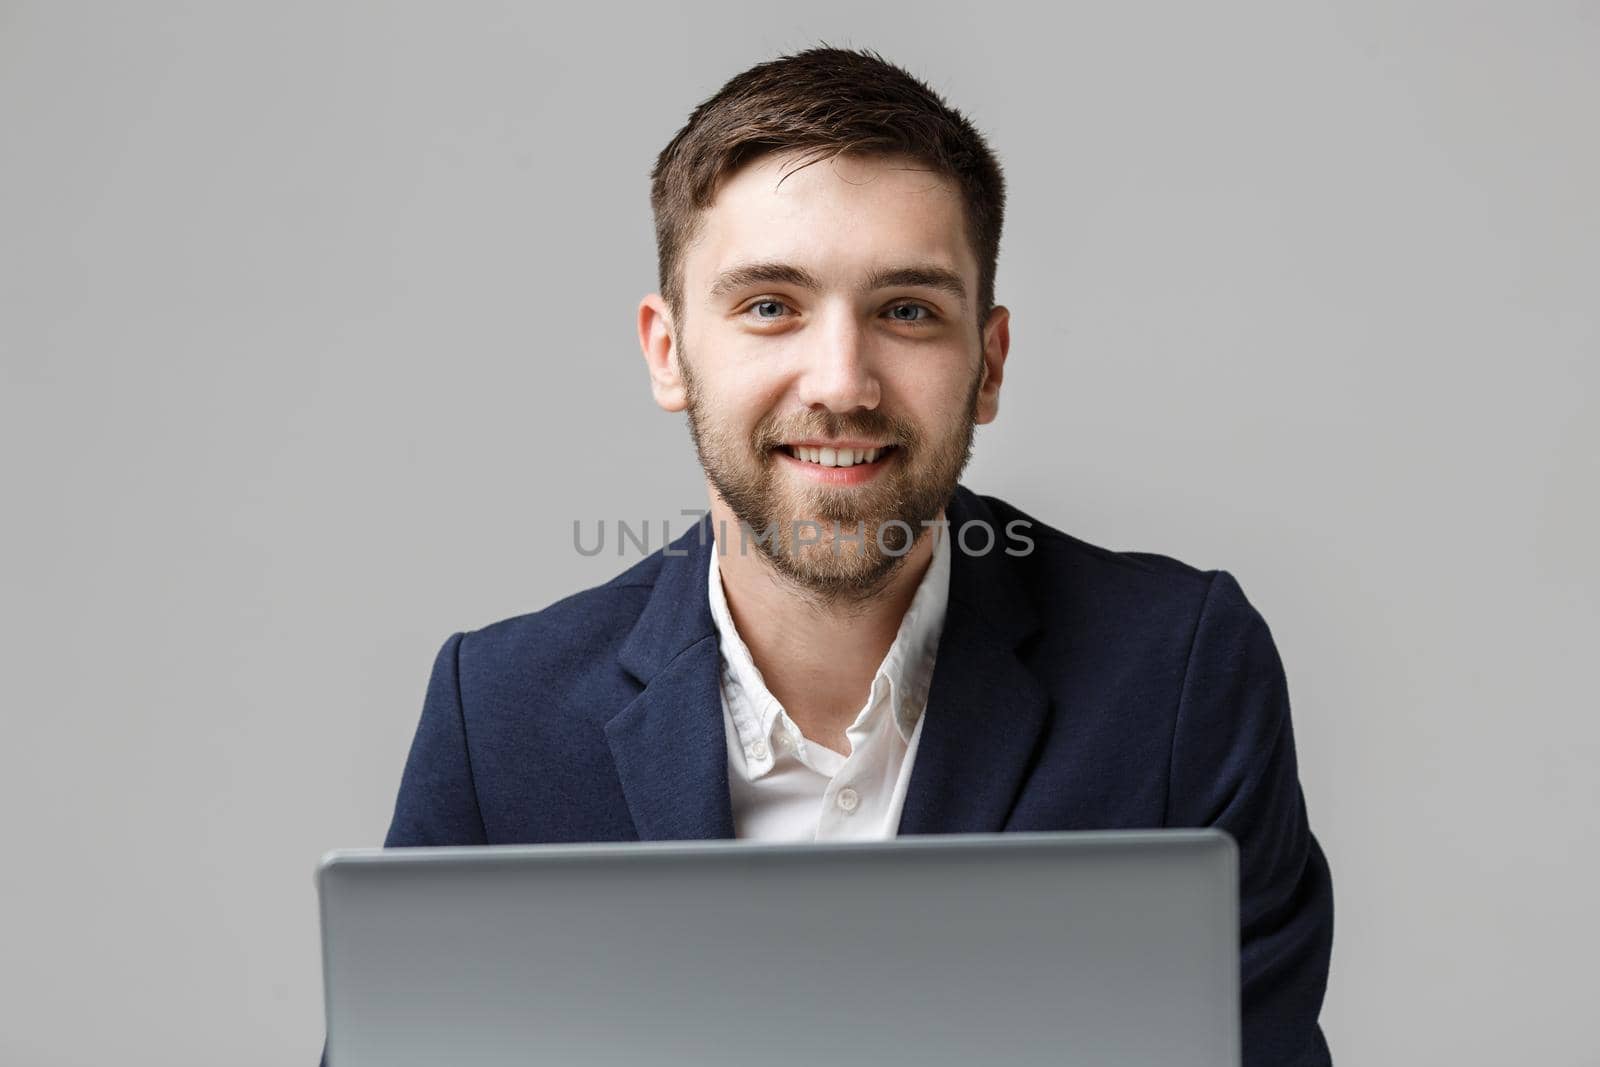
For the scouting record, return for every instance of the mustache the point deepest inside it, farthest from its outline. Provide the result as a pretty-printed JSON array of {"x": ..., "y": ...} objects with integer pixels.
[{"x": 833, "y": 427}]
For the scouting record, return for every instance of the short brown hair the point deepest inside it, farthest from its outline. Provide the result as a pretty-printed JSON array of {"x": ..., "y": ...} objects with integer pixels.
[{"x": 825, "y": 101}]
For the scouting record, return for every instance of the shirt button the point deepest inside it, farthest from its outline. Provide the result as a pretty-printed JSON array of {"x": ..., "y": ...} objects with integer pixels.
[
  {"x": 784, "y": 742},
  {"x": 848, "y": 800},
  {"x": 759, "y": 750}
]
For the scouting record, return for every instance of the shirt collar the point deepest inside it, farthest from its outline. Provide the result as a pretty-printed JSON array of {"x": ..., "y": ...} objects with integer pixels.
[{"x": 907, "y": 667}]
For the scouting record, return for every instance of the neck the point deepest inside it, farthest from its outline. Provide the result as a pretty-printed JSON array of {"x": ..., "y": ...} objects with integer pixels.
[{"x": 817, "y": 657}]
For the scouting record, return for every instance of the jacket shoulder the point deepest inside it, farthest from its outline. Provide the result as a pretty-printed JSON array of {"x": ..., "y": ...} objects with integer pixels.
[
  {"x": 1057, "y": 558},
  {"x": 571, "y": 635},
  {"x": 1111, "y": 621}
]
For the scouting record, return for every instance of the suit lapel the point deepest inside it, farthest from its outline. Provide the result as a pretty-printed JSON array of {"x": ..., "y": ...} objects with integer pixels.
[
  {"x": 986, "y": 711},
  {"x": 668, "y": 742}
]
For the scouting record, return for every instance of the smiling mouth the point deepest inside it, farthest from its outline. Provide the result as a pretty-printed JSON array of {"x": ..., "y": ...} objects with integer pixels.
[{"x": 839, "y": 457}]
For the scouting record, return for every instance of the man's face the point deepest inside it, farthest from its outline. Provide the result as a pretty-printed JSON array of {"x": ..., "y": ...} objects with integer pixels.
[{"x": 834, "y": 309}]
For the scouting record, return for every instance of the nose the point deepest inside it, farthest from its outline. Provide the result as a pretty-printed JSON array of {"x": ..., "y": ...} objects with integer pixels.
[{"x": 838, "y": 373}]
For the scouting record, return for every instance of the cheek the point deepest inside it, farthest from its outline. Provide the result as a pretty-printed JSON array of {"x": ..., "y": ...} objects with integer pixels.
[
  {"x": 737, "y": 417},
  {"x": 752, "y": 405},
  {"x": 933, "y": 413}
]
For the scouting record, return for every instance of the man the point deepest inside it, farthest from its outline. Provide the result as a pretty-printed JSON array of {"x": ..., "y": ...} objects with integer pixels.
[{"x": 851, "y": 643}]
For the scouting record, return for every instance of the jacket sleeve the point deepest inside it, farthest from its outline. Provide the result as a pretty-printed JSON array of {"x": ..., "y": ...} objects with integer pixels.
[
  {"x": 1233, "y": 767},
  {"x": 438, "y": 802}
]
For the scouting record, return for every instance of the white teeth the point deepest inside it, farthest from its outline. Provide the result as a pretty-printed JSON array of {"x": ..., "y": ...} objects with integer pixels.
[{"x": 836, "y": 457}]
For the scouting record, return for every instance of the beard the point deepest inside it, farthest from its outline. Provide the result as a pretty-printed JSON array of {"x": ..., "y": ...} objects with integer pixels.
[{"x": 860, "y": 546}]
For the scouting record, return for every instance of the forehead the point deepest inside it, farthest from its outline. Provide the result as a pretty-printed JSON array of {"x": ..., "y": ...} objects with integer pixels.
[{"x": 838, "y": 217}]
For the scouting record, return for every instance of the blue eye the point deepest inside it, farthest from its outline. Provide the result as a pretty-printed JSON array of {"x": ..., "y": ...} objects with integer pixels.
[{"x": 770, "y": 310}]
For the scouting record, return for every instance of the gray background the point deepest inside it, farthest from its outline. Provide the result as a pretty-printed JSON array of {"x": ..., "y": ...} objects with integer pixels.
[{"x": 317, "y": 336}]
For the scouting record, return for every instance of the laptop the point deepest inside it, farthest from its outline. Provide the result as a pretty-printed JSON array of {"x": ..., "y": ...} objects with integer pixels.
[{"x": 1018, "y": 949}]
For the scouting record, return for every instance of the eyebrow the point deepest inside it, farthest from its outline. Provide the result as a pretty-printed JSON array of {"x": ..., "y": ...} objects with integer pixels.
[{"x": 916, "y": 276}]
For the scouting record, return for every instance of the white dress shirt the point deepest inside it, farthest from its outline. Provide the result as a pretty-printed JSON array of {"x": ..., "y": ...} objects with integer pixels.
[{"x": 787, "y": 788}]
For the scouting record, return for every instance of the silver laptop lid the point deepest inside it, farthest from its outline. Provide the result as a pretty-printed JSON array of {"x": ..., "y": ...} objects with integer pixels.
[{"x": 1103, "y": 947}]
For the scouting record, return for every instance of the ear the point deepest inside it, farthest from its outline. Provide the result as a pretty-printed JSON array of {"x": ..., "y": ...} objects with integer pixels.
[
  {"x": 996, "y": 343},
  {"x": 661, "y": 353}
]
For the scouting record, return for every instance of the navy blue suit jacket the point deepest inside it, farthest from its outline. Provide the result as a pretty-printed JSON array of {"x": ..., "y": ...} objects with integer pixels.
[{"x": 1075, "y": 688}]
